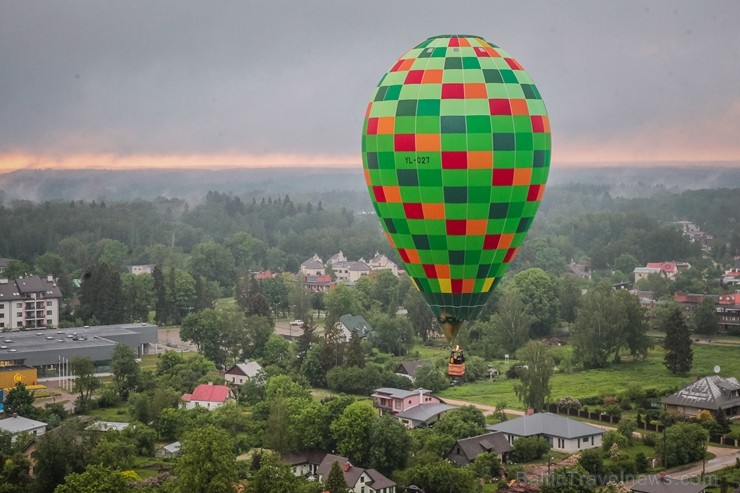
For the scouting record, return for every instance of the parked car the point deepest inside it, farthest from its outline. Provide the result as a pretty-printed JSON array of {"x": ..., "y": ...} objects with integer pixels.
[{"x": 297, "y": 323}]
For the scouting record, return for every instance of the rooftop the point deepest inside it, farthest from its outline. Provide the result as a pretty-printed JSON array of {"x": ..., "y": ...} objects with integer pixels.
[
  {"x": 19, "y": 424},
  {"x": 546, "y": 424},
  {"x": 712, "y": 392}
]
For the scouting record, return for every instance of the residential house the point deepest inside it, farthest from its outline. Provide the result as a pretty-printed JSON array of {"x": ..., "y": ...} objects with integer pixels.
[
  {"x": 351, "y": 271},
  {"x": 240, "y": 373},
  {"x": 465, "y": 450},
  {"x": 731, "y": 277},
  {"x": 263, "y": 275},
  {"x": 662, "y": 483},
  {"x": 336, "y": 258},
  {"x": 207, "y": 395},
  {"x": 169, "y": 451},
  {"x": 29, "y": 302},
  {"x": 17, "y": 425},
  {"x": 563, "y": 434},
  {"x": 644, "y": 272},
  {"x": 712, "y": 393},
  {"x": 317, "y": 284},
  {"x": 381, "y": 262},
  {"x": 305, "y": 463},
  {"x": 414, "y": 408},
  {"x": 423, "y": 415},
  {"x": 4, "y": 264},
  {"x": 140, "y": 269},
  {"x": 358, "y": 479},
  {"x": 669, "y": 269},
  {"x": 727, "y": 307},
  {"x": 408, "y": 368},
  {"x": 354, "y": 323},
  {"x": 313, "y": 267},
  {"x": 582, "y": 271}
]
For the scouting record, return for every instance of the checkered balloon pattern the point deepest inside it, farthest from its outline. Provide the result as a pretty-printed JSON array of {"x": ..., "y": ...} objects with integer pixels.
[{"x": 456, "y": 153}]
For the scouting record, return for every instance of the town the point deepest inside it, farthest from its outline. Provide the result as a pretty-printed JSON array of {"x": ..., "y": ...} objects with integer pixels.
[{"x": 238, "y": 362}]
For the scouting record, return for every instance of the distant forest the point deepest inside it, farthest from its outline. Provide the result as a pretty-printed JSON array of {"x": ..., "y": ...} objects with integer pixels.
[{"x": 328, "y": 212}]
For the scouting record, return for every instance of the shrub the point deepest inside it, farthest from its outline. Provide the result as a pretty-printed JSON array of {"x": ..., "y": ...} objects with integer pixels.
[
  {"x": 612, "y": 437},
  {"x": 529, "y": 448},
  {"x": 648, "y": 439}
]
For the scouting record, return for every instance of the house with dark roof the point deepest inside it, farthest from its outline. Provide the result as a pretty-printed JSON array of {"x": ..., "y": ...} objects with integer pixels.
[
  {"x": 408, "y": 368},
  {"x": 354, "y": 323},
  {"x": 358, "y": 479},
  {"x": 465, "y": 450},
  {"x": 207, "y": 395},
  {"x": 351, "y": 271},
  {"x": 29, "y": 302},
  {"x": 413, "y": 408},
  {"x": 319, "y": 284},
  {"x": 563, "y": 434},
  {"x": 240, "y": 373},
  {"x": 313, "y": 266},
  {"x": 381, "y": 262},
  {"x": 662, "y": 483},
  {"x": 712, "y": 393}
]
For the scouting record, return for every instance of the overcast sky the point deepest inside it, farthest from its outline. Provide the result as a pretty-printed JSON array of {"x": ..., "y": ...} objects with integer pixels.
[{"x": 199, "y": 83}]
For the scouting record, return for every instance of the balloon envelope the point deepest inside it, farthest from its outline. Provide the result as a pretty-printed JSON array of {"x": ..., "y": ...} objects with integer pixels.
[{"x": 456, "y": 153}]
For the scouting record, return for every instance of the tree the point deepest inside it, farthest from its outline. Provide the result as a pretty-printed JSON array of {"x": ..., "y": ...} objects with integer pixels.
[
  {"x": 335, "y": 482},
  {"x": 534, "y": 380},
  {"x": 207, "y": 463},
  {"x": 20, "y": 401},
  {"x": 214, "y": 262},
  {"x": 101, "y": 294},
  {"x": 339, "y": 301},
  {"x": 389, "y": 445},
  {"x": 138, "y": 296},
  {"x": 97, "y": 479},
  {"x": 512, "y": 322},
  {"x": 706, "y": 320},
  {"x": 462, "y": 423},
  {"x": 354, "y": 354},
  {"x": 125, "y": 370},
  {"x": 85, "y": 381},
  {"x": 486, "y": 466},
  {"x": 391, "y": 334},
  {"x": 419, "y": 313},
  {"x": 677, "y": 343},
  {"x": 352, "y": 431},
  {"x": 539, "y": 294},
  {"x": 570, "y": 296},
  {"x": 440, "y": 476},
  {"x": 57, "y": 454},
  {"x": 683, "y": 443},
  {"x": 529, "y": 448},
  {"x": 432, "y": 378}
]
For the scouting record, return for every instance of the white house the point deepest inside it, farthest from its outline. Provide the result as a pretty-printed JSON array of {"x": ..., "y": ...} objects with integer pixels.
[
  {"x": 350, "y": 272},
  {"x": 17, "y": 425},
  {"x": 381, "y": 262},
  {"x": 358, "y": 479},
  {"x": 240, "y": 373},
  {"x": 207, "y": 395},
  {"x": 563, "y": 434},
  {"x": 30, "y": 302},
  {"x": 313, "y": 267}
]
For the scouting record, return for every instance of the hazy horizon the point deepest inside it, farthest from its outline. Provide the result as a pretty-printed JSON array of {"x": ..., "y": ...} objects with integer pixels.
[{"x": 186, "y": 84}]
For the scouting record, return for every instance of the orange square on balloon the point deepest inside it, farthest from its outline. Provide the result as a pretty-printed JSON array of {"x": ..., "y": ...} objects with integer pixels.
[
  {"x": 433, "y": 211},
  {"x": 428, "y": 143},
  {"x": 406, "y": 64},
  {"x": 480, "y": 159},
  {"x": 476, "y": 90},
  {"x": 432, "y": 76},
  {"x": 413, "y": 256},
  {"x": 476, "y": 226},
  {"x": 468, "y": 285},
  {"x": 505, "y": 241},
  {"x": 386, "y": 124},
  {"x": 392, "y": 194},
  {"x": 522, "y": 176},
  {"x": 443, "y": 271},
  {"x": 390, "y": 240},
  {"x": 519, "y": 107}
]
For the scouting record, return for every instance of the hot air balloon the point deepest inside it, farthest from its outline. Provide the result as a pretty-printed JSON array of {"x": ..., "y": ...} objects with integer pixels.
[{"x": 456, "y": 153}]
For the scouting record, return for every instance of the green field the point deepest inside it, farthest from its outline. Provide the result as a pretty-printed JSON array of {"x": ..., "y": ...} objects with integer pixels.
[{"x": 646, "y": 374}]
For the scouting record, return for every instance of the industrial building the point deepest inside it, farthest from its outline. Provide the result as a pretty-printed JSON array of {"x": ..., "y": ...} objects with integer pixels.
[{"x": 45, "y": 349}]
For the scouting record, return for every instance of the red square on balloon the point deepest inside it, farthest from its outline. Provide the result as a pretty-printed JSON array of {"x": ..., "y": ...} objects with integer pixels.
[
  {"x": 456, "y": 227},
  {"x": 453, "y": 91},
  {"x": 454, "y": 160},
  {"x": 503, "y": 177},
  {"x": 499, "y": 106},
  {"x": 413, "y": 210},
  {"x": 404, "y": 142},
  {"x": 414, "y": 77}
]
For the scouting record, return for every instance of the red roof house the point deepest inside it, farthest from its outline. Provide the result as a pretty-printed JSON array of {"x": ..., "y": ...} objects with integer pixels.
[{"x": 207, "y": 395}]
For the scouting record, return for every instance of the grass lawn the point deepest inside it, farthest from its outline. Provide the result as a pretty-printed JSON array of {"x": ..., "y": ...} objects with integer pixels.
[
  {"x": 119, "y": 413},
  {"x": 646, "y": 374}
]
